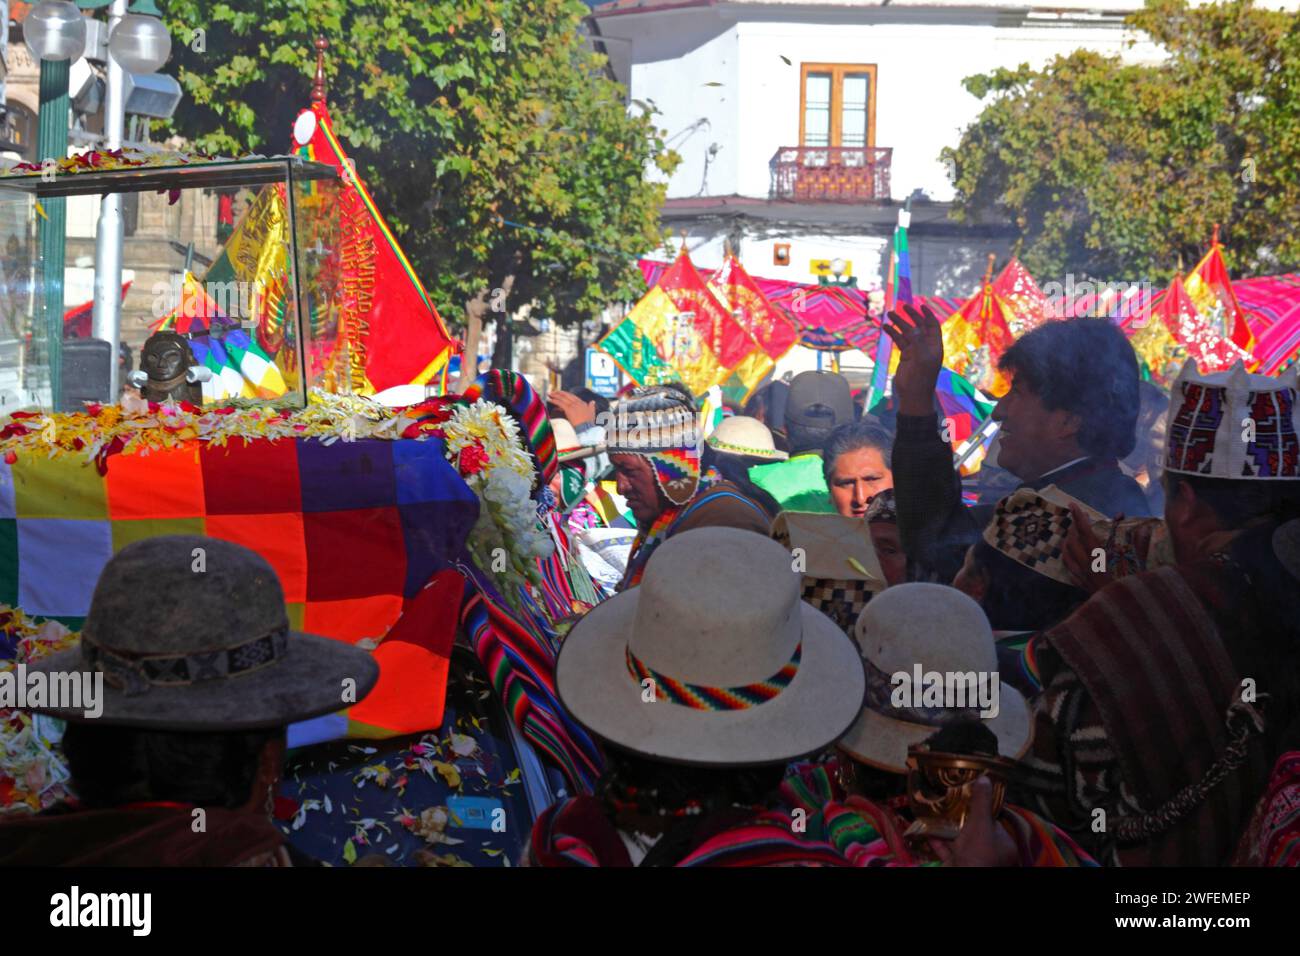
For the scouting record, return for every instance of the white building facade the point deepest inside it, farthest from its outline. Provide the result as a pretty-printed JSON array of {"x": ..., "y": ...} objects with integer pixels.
[{"x": 803, "y": 127}]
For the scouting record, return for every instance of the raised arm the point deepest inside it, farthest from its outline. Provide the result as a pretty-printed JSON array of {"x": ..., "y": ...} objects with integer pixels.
[{"x": 927, "y": 490}]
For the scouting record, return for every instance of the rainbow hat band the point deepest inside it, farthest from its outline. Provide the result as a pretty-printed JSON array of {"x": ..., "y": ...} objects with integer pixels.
[
  {"x": 704, "y": 697},
  {"x": 744, "y": 673}
]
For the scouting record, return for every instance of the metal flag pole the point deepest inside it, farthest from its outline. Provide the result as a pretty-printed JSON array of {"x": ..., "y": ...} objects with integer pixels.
[
  {"x": 107, "y": 317},
  {"x": 974, "y": 441}
]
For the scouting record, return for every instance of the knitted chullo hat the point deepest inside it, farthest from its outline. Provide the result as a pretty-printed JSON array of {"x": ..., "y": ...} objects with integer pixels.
[
  {"x": 517, "y": 396},
  {"x": 1234, "y": 425},
  {"x": 660, "y": 424}
]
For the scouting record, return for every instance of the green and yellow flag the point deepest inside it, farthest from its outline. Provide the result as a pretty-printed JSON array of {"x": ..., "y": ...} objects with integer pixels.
[
  {"x": 631, "y": 343},
  {"x": 679, "y": 330}
]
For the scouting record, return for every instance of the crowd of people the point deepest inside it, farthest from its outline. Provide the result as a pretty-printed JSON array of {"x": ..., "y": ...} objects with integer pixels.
[{"x": 805, "y": 615}]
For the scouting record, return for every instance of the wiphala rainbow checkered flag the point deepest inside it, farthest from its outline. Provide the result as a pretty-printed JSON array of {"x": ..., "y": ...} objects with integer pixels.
[{"x": 364, "y": 536}]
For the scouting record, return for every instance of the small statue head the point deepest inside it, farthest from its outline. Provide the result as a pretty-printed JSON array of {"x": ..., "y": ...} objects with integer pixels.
[{"x": 165, "y": 358}]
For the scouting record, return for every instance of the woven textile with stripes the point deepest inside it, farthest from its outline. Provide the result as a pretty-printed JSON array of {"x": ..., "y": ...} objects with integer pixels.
[
  {"x": 521, "y": 666},
  {"x": 512, "y": 392}
]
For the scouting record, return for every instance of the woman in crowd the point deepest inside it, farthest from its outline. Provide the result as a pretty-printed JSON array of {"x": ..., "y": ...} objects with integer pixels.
[{"x": 735, "y": 446}]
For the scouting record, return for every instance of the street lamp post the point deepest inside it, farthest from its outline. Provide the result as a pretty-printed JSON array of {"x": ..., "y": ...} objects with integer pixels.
[
  {"x": 136, "y": 44},
  {"x": 106, "y": 320},
  {"x": 55, "y": 33}
]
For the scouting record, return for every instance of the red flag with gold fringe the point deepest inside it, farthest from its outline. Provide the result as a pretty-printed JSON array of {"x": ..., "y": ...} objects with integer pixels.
[
  {"x": 1210, "y": 289},
  {"x": 719, "y": 342},
  {"x": 387, "y": 323}
]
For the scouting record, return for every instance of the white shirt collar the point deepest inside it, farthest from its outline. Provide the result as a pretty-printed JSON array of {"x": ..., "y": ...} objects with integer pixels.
[{"x": 1062, "y": 467}]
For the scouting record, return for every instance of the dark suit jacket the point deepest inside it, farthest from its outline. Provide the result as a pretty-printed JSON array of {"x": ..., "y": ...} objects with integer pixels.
[{"x": 934, "y": 526}]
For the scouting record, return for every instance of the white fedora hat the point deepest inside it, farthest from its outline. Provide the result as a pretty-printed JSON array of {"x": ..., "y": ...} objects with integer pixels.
[
  {"x": 946, "y": 633},
  {"x": 566, "y": 437},
  {"x": 713, "y": 660},
  {"x": 742, "y": 435}
]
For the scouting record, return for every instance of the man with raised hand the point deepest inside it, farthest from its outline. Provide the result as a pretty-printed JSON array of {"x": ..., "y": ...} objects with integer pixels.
[{"x": 1067, "y": 419}]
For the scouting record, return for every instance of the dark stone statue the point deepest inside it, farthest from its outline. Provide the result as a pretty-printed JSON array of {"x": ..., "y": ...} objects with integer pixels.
[{"x": 165, "y": 359}]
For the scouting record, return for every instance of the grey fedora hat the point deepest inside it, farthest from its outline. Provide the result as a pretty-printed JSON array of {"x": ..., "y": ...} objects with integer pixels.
[{"x": 191, "y": 633}]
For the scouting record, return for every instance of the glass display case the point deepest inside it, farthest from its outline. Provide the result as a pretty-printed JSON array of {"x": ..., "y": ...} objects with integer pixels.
[{"x": 237, "y": 258}]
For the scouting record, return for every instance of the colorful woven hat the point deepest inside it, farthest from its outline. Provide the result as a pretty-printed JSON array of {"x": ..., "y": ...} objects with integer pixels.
[
  {"x": 840, "y": 567},
  {"x": 660, "y": 424},
  {"x": 712, "y": 660},
  {"x": 1030, "y": 527},
  {"x": 1234, "y": 425},
  {"x": 517, "y": 396},
  {"x": 742, "y": 435}
]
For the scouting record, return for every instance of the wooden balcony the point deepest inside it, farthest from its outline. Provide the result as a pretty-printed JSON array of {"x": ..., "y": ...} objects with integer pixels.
[{"x": 831, "y": 173}]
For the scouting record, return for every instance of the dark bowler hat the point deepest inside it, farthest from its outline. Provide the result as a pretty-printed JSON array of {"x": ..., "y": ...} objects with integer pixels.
[{"x": 191, "y": 639}]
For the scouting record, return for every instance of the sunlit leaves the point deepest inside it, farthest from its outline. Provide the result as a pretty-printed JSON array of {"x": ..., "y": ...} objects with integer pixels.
[
  {"x": 1120, "y": 171},
  {"x": 534, "y": 134}
]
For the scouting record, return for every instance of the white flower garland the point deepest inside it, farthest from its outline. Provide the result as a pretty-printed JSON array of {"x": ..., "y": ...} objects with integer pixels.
[{"x": 508, "y": 521}]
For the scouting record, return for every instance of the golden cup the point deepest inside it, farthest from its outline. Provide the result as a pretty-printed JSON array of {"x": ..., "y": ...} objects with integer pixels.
[{"x": 939, "y": 789}]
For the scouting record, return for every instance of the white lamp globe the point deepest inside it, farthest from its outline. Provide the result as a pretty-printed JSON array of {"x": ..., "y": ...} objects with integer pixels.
[
  {"x": 55, "y": 30},
  {"x": 140, "y": 44}
]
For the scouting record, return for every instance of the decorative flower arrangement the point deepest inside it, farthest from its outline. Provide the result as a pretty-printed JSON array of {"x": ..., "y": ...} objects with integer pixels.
[
  {"x": 32, "y": 772},
  {"x": 484, "y": 444},
  {"x": 103, "y": 430},
  {"x": 94, "y": 160}
]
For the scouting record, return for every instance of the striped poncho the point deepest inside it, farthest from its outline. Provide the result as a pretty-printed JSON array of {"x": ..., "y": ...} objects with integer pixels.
[
  {"x": 577, "y": 833},
  {"x": 870, "y": 833},
  {"x": 1142, "y": 718}
]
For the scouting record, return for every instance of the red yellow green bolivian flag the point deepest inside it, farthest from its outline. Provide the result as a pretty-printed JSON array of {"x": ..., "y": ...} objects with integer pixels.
[
  {"x": 694, "y": 338},
  {"x": 631, "y": 343}
]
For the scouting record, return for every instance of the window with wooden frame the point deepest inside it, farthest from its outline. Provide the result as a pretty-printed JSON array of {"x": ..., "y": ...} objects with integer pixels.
[{"x": 837, "y": 104}]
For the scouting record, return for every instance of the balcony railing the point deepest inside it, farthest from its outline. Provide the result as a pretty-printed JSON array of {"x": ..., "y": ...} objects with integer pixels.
[{"x": 831, "y": 173}]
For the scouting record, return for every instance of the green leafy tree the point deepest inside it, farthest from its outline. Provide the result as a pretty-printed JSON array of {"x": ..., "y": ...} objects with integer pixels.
[
  {"x": 1119, "y": 171},
  {"x": 487, "y": 130}
]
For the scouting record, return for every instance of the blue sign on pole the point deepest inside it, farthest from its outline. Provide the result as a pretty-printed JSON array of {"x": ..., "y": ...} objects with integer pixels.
[{"x": 603, "y": 376}]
